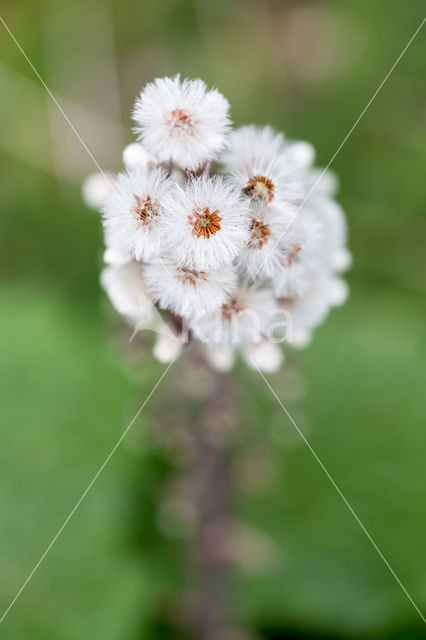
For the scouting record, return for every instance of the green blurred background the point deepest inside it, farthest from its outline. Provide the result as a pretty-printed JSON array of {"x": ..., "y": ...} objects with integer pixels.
[{"x": 70, "y": 383}]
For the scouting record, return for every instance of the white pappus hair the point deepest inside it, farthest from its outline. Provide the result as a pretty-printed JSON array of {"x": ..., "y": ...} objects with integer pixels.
[
  {"x": 133, "y": 210},
  {"x": 244, "y": 318},
  {"x": 187, "y": 292},
  {"x": 126, "y": 288},
  {"x": 182, "y": 122},
  {"x": 207, "y": 223}
]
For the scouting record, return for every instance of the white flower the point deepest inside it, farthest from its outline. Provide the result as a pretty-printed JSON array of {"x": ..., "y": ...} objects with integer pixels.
[
  {"x": 205, "y": 223},
  {"x": 341, "y": 260},
  {"x": 221, "y": 358},
  {"x": 133, "y": 210},
  {"x": 301, "y": 153},
  {"x": 322, "y": 182},
  {"x": 166, "y": 348},
  {"x": 134, "y": 155},
  {"x": 187, "y": 292},
  {"x": 266, "y": 356},
  {"x": 301, "y": 338},
  {"x": 250, "y": 143},
  {"x": 338, "y": 291},
  {"x": 241, "y": 261},
  {"x": 244, "y": 318},
  {"x": 271, "y": 181},
  {"x": 262, "y": 168},
  {"x": 96, "y": 187},
  {"x": 182, "y": 122},
  {"x": 127, "y": 291},
  {"x": 305, "y": 311},
  {"x": 329, "y": 213},
  {"x": 261, "y": 257},
  {"x": 115, "y": 257},
  {"x": 299, "y": 249}
]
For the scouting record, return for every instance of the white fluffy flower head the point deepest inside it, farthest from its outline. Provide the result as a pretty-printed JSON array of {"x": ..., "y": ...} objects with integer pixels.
[
  {"x": 261, "y": 166},
  {"x": 133, "y": 210},
  {"x": 187, "y": 292},
  {"x": 249, "y": 143},
  {"x": 261, "y": 256},
  {"x": 231, "y": 238},
  {"x": 126, "y": 288},
  {"x": 298, "y": 255},
  {"x": 182, "y": 122},
  {"x": 207, "y": 223},
  {"x": 244, "y": 318}
]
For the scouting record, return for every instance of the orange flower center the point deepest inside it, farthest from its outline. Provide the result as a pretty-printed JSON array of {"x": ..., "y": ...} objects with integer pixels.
[
  {"x": 179, "y": 120},
  {"x": 259, "y": 234},
  {"x": 260, "y": 188},
  {"x": 146, "y": 209},
  {"x": 204, "y": 222}
]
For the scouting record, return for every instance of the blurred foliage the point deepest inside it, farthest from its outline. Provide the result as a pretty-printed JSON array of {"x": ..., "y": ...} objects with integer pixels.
[{"x": 308, "y": 68}]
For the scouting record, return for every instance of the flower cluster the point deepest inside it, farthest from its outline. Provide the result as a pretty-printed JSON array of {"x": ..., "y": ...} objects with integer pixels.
[{"x": 226, "y": 233}]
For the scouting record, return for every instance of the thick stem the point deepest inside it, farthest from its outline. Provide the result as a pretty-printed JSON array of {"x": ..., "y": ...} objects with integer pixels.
[{"x": 212, "y": 482}]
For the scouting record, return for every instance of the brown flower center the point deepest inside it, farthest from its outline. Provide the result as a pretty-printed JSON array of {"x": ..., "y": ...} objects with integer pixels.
[
  {"x": 204, "y": 222},
  {"x": 232, "y": 308},
  {"x": 292, "y": 257},
  {"x": 259, "y": 234},
  {"x": 260, "y": 188},
  {"x": 146, "y": 209},
  {"x": 284, "y": 302},
  {"x": 190, "y": 276}
]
